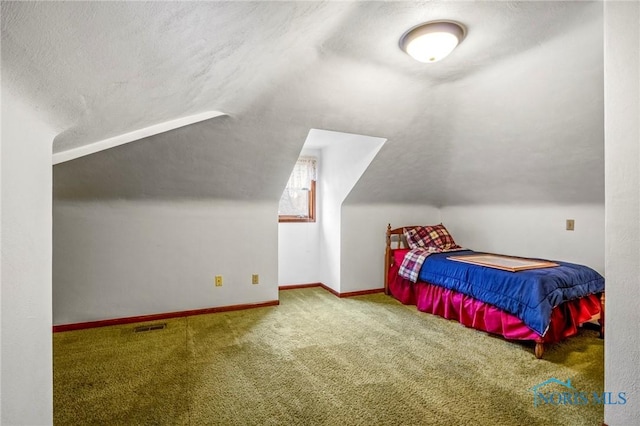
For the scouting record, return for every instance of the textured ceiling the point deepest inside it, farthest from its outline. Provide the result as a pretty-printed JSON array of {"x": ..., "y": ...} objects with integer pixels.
[{"x": 515, "y": 114}]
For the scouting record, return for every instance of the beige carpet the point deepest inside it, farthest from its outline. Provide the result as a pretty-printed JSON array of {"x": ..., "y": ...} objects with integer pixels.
[{"x": 316, "y": 360}]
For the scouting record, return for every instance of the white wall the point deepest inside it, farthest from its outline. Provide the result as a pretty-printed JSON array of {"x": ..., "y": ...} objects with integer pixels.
[
  {"x": 25, "y": 247},
  {"x": 622, "y": 177},
  {"x": 129, "y": 258},
  {"x": 298, "y": 253},
  {"x": 363, "y": 239},
  {"x": 359, "y": 260},
  {"x": 531, "y": 231},
  {"x": 299, "y": 243},
  {"x": 343, "y": 163}
]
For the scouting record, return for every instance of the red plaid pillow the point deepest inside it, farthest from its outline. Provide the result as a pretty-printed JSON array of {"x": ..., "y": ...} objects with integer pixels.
[{"x": 430, "y": 236}]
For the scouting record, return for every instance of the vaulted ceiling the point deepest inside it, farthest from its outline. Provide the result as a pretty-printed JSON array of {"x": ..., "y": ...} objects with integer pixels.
[{"x": 515, "y": 114}]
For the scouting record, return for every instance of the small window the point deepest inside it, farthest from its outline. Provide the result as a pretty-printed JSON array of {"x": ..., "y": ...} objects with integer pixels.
[{"x": 298, "y": 201}]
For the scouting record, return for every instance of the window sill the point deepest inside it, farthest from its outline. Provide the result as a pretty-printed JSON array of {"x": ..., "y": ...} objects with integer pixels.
[{"x": 293, "y": 219}]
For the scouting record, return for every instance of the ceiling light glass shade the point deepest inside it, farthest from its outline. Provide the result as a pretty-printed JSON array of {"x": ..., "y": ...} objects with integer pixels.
[{"x": 432, "y": 41}]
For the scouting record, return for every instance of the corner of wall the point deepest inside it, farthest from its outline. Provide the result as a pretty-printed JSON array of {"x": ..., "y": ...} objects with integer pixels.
[
  {"x": 26, "y": 259},
  {"x": 622, "y": 204}
]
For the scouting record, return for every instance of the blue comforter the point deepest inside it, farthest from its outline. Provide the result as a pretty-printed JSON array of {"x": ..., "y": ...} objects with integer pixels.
[{"x": 529, "y": 295}]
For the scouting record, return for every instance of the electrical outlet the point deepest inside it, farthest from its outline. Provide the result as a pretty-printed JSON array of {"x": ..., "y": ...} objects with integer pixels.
[
  {"x": 255, "y": 279},
  {"x": 570, "y": 224},
  {"x": 218, "y": 280}
]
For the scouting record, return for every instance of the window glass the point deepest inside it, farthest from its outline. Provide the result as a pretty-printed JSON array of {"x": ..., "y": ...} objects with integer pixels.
[{"x": 297, "y": 203}]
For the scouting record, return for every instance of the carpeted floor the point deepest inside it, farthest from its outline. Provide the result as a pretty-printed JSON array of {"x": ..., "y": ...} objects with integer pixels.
[{"x": 317, "y": 360}]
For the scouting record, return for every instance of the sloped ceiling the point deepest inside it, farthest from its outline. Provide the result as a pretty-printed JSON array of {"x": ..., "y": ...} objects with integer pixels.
[{"x": 515, "y": 114}]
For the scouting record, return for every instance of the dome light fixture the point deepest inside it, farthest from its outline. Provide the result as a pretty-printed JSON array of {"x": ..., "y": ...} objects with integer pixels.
[{"x": 432, "y": 41}]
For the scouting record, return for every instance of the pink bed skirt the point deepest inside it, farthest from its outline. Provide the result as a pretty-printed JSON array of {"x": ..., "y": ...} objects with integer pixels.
[{"x": 565, "y": 319}]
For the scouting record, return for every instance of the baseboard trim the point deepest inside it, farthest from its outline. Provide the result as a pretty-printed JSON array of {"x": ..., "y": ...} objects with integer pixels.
[
  {"x": 296, "y": 286},
  {"x": 362, "y": 292},
  {"x": 180, "y": 314},
  {"x": 332, "y": 291},
  {"x": 162, "y": 316}
]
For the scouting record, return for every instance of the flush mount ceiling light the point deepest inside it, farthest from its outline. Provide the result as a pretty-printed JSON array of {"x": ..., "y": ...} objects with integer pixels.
[{"x": 432, "y": 41}]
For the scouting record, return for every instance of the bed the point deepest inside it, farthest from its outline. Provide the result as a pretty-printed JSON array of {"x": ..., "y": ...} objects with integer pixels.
[{"x": 545, "y": 304}]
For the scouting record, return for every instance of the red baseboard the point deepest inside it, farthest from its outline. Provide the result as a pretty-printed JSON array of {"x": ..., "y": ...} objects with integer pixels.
[
  {"x": 157, "y": 317},
  {"x": 179, "y": 314},
  {"x": 362, "y": 292},
  {"x": 295, "y": 286},
  {"x": 332, "y": 291}
]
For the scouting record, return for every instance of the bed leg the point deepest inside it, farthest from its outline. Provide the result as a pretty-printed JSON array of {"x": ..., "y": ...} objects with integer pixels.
[
  {"x": 539, "y": 351},
  {"x": 387, "y": 261},
  {"x": 601, "y": 320}
]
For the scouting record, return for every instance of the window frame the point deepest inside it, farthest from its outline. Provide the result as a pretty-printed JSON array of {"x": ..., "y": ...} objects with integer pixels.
[{"x": 312, "y": 210}]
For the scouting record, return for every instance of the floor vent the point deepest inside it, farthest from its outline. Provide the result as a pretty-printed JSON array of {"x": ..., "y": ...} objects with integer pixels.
[{"x": 150, "y": 327}]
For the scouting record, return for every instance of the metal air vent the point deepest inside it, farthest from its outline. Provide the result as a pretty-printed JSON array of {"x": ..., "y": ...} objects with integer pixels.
[{"x": 150, "y": 327}]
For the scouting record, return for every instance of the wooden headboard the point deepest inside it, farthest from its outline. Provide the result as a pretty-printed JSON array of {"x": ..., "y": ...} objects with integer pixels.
[{"x": 397, "y": 235}]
